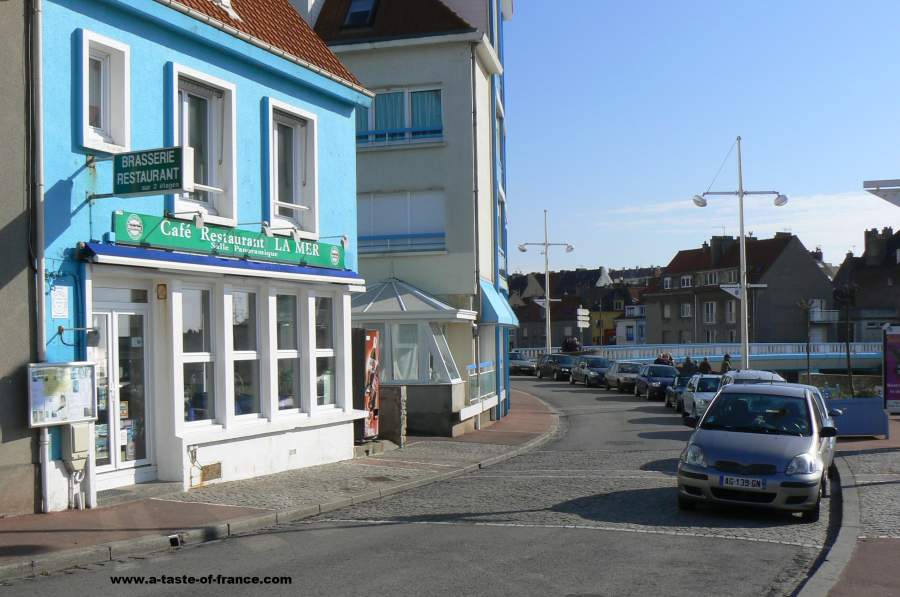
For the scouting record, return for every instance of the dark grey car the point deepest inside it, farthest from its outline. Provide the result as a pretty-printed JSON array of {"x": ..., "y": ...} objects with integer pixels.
[
  {"x": 762, "y": 445},
  {"x": 589, "y": 370}
]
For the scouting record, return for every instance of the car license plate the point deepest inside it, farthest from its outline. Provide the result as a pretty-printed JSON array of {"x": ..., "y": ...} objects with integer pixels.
[{"x": 742, "y": 482}]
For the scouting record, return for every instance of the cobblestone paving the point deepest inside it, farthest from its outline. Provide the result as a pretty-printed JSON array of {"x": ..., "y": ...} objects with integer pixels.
[{"x": 877, "y": 475}]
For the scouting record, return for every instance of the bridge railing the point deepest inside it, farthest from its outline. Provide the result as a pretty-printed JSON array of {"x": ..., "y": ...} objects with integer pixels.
[{"x": 715, "y": 352}]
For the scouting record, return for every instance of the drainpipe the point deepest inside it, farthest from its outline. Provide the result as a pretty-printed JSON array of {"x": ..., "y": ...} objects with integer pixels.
[
  {"x": 476, "y": 341},
  {"x": 37, "y": 204}
]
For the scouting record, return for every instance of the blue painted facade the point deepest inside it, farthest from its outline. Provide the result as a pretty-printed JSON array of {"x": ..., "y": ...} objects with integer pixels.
[{"x": 160, "y": 37}]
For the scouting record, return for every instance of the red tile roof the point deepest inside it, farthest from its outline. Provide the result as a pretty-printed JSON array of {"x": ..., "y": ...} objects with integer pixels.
[
  {"x": 761, "y": 253},
  {"x": 276, "y": 23},
  {"x": 393, "y": 19}
]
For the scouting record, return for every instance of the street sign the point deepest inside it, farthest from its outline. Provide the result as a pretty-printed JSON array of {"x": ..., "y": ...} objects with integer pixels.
[
  {"x": 735, "y": 289},
  {"x": 583, "y": 312},
  {"x": 153, "y": 172},
  {"x": 180, "y": 235},
  {"x": 583, "y": 324}
]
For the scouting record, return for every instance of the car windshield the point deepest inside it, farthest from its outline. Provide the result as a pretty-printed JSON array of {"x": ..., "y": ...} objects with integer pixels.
[
  {"x": 514, "y": 356},
  {"x": 596, "y": 362},
  {"x": 758, "y": 413},
  {"x": 629, "y": 368},
  {"x": 682, "y": 380},
  {"x": 707, "y": 384},
  {"x": 662, "y": 371},
  {"x": 564, "y": 360}
]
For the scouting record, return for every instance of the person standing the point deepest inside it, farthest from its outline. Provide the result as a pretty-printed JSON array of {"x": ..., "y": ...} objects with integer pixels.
[
  {"x": 660, "y": 360},
  {"x": 705, "y": 367},
  {"x": 688, "y": 367},
  {"x": 726, "y": 364}
]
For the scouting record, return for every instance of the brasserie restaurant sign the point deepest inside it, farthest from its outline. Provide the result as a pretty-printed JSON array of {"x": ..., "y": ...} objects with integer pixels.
[
  {"x": 178, "y": 235},
  {"x": 153, "y": 172}
]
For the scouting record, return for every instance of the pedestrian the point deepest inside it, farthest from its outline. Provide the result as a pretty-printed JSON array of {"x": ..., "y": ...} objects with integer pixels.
[
  {"x": 661, "y": 359},
  {"x": 688, "y": 367},
  {"x": 726, "y": 364},
  {"x": 705, "y": 367}
]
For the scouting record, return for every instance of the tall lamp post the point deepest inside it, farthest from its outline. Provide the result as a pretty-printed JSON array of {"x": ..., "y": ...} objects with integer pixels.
[
  {"x": 780, "y": 200},
  {"x": 546, "y": 246}
]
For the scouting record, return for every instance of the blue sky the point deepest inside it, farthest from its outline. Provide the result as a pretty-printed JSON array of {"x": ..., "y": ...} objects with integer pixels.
[{"x": 619, "y": 112}]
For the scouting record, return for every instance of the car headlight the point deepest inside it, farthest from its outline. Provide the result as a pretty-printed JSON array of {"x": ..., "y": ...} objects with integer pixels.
[
  {"x": 693, "y": 455},
  {"x": 700, "y": 401},
  {"x": 655, "y": 384},
  {"x": 803, "y": 464},
  {"x": 593, "y": 373}
]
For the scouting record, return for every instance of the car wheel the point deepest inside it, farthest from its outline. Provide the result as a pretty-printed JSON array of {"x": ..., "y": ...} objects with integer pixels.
[
  {"x": 679, "y": 407},
  {"x": 608, "y": 387},
  {"x": 556, "y": 376},
  {"x": 572, "y": 379},
  {"x": 685, "y": 503},
  {"x": 540, "y": 374},
  {"x": 635, "y": 391},
  {"x": 812, "y": 515}
]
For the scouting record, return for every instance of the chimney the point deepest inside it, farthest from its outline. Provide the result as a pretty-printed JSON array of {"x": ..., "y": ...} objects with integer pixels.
[
  {"x": 817, "y": 254},
  {"x": 308, "y": 9},
  {"x": 720, "y": 245},
  {"x": 876, "y": 245}
]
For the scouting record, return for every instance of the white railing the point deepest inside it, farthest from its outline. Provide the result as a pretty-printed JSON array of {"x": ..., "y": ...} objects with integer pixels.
[{"x": 716, "y": 351}]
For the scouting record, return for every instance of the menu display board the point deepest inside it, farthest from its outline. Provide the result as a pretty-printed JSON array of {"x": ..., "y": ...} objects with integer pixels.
[
  {"x": 60, "y": 393},
  {"x": 891, "y": 369}
]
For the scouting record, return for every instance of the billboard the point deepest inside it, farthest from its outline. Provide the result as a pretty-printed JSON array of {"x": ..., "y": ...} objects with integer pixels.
[{"x": 891, "y": 369}]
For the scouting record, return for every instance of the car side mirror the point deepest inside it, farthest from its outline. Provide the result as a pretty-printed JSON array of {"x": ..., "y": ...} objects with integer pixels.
[
  {"x": 835, "y": 412},
  {"x": 827, "y": 432}
]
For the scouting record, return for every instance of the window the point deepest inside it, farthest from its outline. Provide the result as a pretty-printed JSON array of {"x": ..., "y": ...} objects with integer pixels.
[
  {"x": 685, "y": 310},
  {"x": 629, "y": 333},
  {"x": 244, "y": 353},
  {"x": 360, "y": 13},
  {"x": 399, "y": 222},
  {"x": 731, "y": 276},
  {"x": 730, "y": 311},
  {"x": 197, "y": 355},
  {"x": 287, "y": 353},
  {"x": 709, "y": 312},
  {"x": 401, "y": 116},
  {"x": 324, "y": 343},
  {"x": 405, "y": 351},
  {"x": 450, "y": 372},
  {"x": 618, "y": 305},
  {"x": 205, "y": 121},
  {"x": 687, "y": 281},
  {"x": 667, "y": 311},
  {"x": 710, "y": 336},
  {"x": 732, "y": 336},
  {"x": 293, "y": 188},
  {"x": 105, "y": 94},
  {"x": 711, "y": 278},
  {"x": 667, "y": 283}
]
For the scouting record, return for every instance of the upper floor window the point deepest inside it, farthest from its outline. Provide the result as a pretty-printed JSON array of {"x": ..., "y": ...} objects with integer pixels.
[
  {"x": 685, "y": 310},
  {"x": 618, "y": 305},
  {"x": 709, "y": 312},
  {"x": 687, "y": 281},
  {"x": 667, "y": 311},
  {"x": 711, "y": 278},
  {"x": 293, "y": 189},
  {"x": 106, "y": 96},
  {"x": 401, "y": 116},
  {"x": 405, "y": 221},
  {"x": 730, "y": 310},
  {"x": 360, "y": 13},
  {"x": 205, "y": 122},
  {"x": 667, "y": 283}
]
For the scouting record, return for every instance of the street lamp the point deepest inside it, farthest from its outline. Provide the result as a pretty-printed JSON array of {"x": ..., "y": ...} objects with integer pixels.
[
  {"x": 546, "y": 245},
  {"x": 780, "y": 200}
]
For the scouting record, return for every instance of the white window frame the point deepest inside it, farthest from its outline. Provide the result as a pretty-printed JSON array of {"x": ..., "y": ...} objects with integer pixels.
[
  {"x": 710, "y": 336},
  {"x": 731, "y": 311},
  {"x": 316, "y": 352},
  {"x": 667, "y": 283},
  {"x": 689, "y": 279},
  {"x": 114, "y": 135},
  {"x": 709, "y": 312},
  {"x": 182, "y": 358},
  {"x": 308, "y": 223},
  {"x": 711, "y": 278},
  {"x": 295, "y": 354},
  {"x": 222, "y": 209},
  {"x": 232, "y": 355},
  {"x": 685, "y": 310},
  {"x": 407, "y": 117},
  {"x": 667, "y": 311}
]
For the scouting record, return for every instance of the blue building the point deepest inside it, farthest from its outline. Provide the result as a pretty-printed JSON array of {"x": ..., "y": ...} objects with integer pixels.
[{"x": 210, "y": 283}]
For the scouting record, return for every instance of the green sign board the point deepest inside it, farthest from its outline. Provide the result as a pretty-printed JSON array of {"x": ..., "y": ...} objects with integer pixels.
[
  {"x": 153, "y": 172},
  {"x": 179, "y": 235}
]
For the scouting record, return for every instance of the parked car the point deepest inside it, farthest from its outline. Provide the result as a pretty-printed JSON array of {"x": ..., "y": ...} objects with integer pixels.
[
  {"x": 622, "y": 375},
  {"x": 520, "y": 364},
  {"x": 556, "y": 366},
  {"x": 674, "y": 392},
  {"x": 700, "y": 391},
  {"x": 745, "y": 376},
  {"x": 653, "y": 380},
  {"x": 590, "y": 370},
  {"x": 759, "y": 445}
]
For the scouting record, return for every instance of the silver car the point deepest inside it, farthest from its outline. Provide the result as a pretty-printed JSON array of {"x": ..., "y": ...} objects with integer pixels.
[{"x": 762, "y": 445}]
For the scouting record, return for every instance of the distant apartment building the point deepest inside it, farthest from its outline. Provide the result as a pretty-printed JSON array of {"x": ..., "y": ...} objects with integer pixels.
[
  {"x": 631, "y": 327},
  {"x": 874, "y": 278},
  {"x": 695, "y": 301},
  {"x": 431, "y": 203}
]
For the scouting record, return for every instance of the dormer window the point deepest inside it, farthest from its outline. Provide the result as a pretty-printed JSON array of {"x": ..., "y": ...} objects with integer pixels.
[{"x": 361, "y": 13}]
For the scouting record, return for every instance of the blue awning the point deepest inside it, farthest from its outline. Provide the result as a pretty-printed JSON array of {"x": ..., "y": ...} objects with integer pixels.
[
  {"x": 495, "y": 308},
  {"x": 191, "y": 262}
]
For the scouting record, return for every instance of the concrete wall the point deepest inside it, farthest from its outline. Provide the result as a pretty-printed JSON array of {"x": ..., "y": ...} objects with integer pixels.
[
  {"x": 445, "y": 166},
  {"x": 793, "y": 277},
  {"x": 17, "y": 453}
]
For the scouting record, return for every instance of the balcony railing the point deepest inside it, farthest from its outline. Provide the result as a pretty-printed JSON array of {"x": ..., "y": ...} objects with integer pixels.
[
  {"x": 824, "y": 315},
  {"x": 635, "y": 311},
  {"x": 400, "y": 243},
  {"x": 377, "y": 137}
]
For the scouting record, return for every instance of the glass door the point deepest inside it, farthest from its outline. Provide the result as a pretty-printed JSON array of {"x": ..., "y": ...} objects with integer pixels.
[{"x": 121, "y": 357}]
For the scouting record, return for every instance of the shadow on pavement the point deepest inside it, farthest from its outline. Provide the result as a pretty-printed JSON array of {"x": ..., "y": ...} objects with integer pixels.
[
  {"x": 681, "y": 436},
  {"x": 664, "y": 465},
  {"x": 657, "y": 421}
]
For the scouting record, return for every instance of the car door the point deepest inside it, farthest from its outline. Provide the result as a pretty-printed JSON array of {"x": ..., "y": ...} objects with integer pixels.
[
  {"x": 580, "y": 372},
  {"x": 687, "y": 399},
  {"x": 611, "y": 374},
  {"x": 642, "y": 381},
  {"x": 826, "y": 444}
]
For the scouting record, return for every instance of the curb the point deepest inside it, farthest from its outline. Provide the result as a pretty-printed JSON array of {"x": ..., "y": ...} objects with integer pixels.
[
  {"x": 147, "y": 544},
  {"x": 839, "y": 553}
]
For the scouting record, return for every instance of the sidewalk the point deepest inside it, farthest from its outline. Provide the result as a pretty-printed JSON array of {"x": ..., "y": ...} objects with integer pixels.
[
  {"x": 874, "y": 466},
  {"x": 40, "y": 543}
]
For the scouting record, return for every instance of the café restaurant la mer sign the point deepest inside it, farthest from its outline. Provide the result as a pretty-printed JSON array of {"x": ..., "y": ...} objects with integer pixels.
[{"x": 178, "y": 235}]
